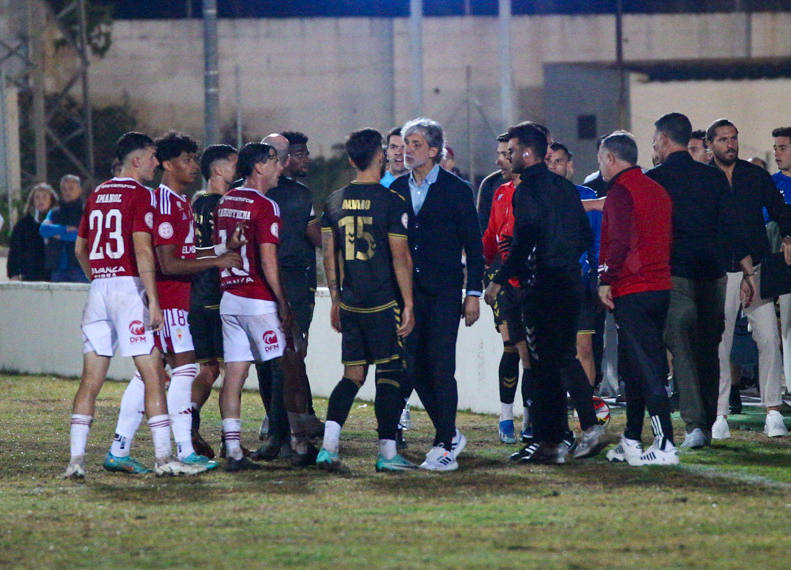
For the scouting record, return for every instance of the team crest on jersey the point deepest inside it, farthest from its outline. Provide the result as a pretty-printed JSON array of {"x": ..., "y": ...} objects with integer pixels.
[
  {"x": 149, "y": 219},
  {"x": 165, "y": 230},
  {"x": 405, "y": 220},
  {"x": 274, "y": 229}
]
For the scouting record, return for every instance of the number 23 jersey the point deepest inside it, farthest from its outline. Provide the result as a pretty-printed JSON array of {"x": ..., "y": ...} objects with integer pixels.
[
  {"x": 362, "y": 218},
  {"x": 114, "y": 211}
]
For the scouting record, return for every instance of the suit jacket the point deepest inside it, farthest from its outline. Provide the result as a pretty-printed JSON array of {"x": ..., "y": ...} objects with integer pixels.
[{"x": 446, "y": 225}]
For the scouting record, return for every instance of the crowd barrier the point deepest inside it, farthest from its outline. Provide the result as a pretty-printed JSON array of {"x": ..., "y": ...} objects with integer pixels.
[{"x": 40, "y": 325}]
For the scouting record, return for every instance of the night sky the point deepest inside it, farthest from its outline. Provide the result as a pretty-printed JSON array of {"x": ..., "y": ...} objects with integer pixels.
[{"x": 133, "y": 9}]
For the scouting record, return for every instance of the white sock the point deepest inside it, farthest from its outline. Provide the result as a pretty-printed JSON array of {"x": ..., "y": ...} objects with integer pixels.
[
  {"x": 232, "y": 436},
  {"x": 332, "y": 434},
  {"x": 525, "y": 418},
  {"x": 194, "y": 406},
  {"x": 506, "y": 411},
  {"x": 387, "y": 448},
  {"x": 180, "y": 407},
  {"x": 80, "y": 426},
  {"x": 131, "y": 413},
  {"x": 160, "y": 433}
]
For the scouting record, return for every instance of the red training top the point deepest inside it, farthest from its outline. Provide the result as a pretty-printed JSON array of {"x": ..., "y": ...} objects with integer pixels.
[{"x": 501, "y": 225}]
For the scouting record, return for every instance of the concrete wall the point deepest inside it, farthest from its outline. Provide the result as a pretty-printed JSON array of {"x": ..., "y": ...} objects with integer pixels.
[
  {"x": 40, "y": 334},
  {"x": 329, "y": 76}
]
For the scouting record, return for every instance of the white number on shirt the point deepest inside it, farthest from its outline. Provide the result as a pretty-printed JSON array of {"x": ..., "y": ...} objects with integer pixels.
[
  {"x": 114, "y": 246},
  {"x": 245, "y": 270}
]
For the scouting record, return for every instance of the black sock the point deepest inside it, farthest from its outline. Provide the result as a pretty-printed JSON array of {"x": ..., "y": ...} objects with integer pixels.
[
  {"x": 388, "y": 403},
  {"x": 528, "y": 387},
  {"x": 509, "y": 373},
  {"x": 264, "y": 371},
  {"x": 341, "y": 401},
  {"x": 195, "y": 420}
]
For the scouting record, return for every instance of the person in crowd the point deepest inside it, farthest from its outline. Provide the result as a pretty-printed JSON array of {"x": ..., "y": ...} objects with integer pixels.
[
  {"x": 394, "y": 150},
  {"x": 782, "y": 180},
  {"x": 754, "y": 192},
  {"x": 27, "y": 250},
  {"x": 697, "y": 147},
  {"x": 60, "y": 230}
]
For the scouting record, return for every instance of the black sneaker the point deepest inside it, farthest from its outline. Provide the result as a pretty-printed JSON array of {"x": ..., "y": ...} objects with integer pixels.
[
  {"x": 242, "y": 464},
  {"x": 268, "y": 452},
  {"x": 305, "y": 459},
  {"x": 544, "y": 454},
  {"x": 570, "y": 441}
]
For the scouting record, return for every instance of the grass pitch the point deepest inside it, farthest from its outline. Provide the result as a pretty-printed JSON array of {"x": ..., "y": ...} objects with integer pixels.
[{"x": 726, "y": 506}]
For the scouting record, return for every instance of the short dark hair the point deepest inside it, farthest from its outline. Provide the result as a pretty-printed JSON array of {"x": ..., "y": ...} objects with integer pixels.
[
  {"x": 295, "y": 137},
  {"x": 502, "y": 137},
  {"x": 782, "y": 132},
  {"x": 213, "y": 153},
  {"x": 698, "y": 134},
  {"x": 622, "y": 145},
  {"x": 172, "y": 144},
  {"x": 395, "y": 131},
  {"x": 362, "y": 146},
  {"x": 250, "y": 155},
  {"x": 560, "y": 146},
  {"x": 711, "y": 131},
  {"x": 676, "y": 127},
  {"x": 531, "y": 135},
  {"x": 130, "y": 142}
]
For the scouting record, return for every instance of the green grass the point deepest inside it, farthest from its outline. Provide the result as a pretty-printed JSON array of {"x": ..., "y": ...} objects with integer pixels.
[{"x": 726, "y": 506}]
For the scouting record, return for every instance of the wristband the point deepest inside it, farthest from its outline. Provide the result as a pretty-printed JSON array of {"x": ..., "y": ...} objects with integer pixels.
[{"x": 220, "y": 249}]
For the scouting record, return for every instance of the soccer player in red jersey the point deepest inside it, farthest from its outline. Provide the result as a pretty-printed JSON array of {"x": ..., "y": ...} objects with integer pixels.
[
  {"x": 178, "y": 260},
  {"x": 254, "y": 309},
  {"x": 114, "y": 250}
]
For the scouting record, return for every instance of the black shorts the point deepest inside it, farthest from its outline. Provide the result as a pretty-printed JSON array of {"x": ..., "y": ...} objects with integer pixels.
[
  {"x": 206, "y": 330},
  {"x": 369, "y": 335},
  {"x": 301, "y": 296},
  {"x": 509, "y": 311}
]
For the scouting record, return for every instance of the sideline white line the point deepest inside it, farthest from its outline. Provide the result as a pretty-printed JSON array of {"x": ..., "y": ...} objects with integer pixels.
[{"x": 718, "y": 473}]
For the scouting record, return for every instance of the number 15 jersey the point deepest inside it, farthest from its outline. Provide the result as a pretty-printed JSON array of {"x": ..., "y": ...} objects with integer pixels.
[
  {"x": 114, "y": 211},
  {"x": 362, "y": 218}
]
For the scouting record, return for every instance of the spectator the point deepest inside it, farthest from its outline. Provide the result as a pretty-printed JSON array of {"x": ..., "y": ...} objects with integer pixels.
[
  {"x": 60, "y": 229},
  {"x": 26, "y": 253}
]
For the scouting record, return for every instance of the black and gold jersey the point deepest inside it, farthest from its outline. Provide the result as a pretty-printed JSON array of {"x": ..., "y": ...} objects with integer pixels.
[
  {"x": 362, "y": 218},
  {"x": 206, "y": 284}
]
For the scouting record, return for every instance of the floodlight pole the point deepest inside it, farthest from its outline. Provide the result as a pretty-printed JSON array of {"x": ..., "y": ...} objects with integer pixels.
[
  {"x": 211, "y": 74},
  {"x": 416, "y": 51},
  {"x": 506, "y": 83}
]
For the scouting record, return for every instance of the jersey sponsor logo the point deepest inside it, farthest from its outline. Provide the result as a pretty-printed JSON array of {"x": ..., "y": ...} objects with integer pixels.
[
  {"x": 108, "y": 198},
  {"x": 238, "y": 199},
  {"x": 137, "y": 328},
  {"x": 270, "y": 337},
  {"x": 149, "y": 219},
  {"x": 405, "y": 220},
  {"x": 110, "y": 271},
  {"x": 233, "y": 214},
  {"x": 274, "y": 228},
  {"x": 187, "y": 249},
  {"x": 165, "y": 230}
]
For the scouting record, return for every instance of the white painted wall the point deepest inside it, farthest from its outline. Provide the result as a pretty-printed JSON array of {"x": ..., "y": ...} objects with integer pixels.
[
  {"x": 40, "y": 334},
  {"x": 755, "y": 107}
]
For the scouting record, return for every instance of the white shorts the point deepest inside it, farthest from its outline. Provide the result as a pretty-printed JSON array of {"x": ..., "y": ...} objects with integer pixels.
[
  {"x": 116, "y": 316},
  {"x": 252, "y": 338},
  {"x": 175, "y": 336}
]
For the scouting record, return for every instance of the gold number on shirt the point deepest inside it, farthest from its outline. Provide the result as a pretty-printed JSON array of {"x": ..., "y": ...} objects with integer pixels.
[
  {"x": 354, "y": 229},
  {"x": 97, "y": 222}
]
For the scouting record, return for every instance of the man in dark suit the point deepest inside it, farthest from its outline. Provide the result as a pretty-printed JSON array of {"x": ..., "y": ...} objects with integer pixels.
[{"x": 442, "y": 224}]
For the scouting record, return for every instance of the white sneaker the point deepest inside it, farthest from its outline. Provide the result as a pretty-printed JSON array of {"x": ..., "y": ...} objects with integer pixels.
[
  {"x": 75, "y": 470},
  {"x": 173, "y": 467},
  {"x": 774, "y": 425},
  {"x": 627, "y": 451},
  {"x": 720, "y": 429},
  {"x": 695, "y": 439},
  {"x": 590, "y": 443},
  {"x": 655, "y": 455},
  {"x": 439, "y": 459},
  {"x": 457, "y": 444}
]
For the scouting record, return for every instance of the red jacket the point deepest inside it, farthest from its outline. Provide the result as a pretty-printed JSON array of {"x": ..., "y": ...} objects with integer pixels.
[
  {"x": 636, "y": 235},
  {"x": 501, "y": 225}
]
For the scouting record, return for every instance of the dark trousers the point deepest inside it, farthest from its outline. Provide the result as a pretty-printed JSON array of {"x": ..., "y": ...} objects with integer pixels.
[
  {"x": 641, "y": 321},
  {"x": 551, "y": 310},
  {"x": 695, "y": 321},
  {"x": 431, "y": 358}
]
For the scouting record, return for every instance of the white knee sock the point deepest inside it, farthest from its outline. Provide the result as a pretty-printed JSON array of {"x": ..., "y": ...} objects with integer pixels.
[
  {"x": 80, "y": 426},
  {"x": 129, "y": 416},
  {"x": 160, "y": 433},
  {"x": 506, "y": 411},
  {"x": 180, "y": 407},
  {"x": 332, "y": 436},
  {"x": 232, "y": 436}
]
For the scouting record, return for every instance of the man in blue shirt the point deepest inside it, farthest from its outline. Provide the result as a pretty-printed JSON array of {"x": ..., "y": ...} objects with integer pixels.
[
  {"x": 394, "y": 150},
  {"x": 782, "y": 179},
  {"x": 60, "y": 230}
]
